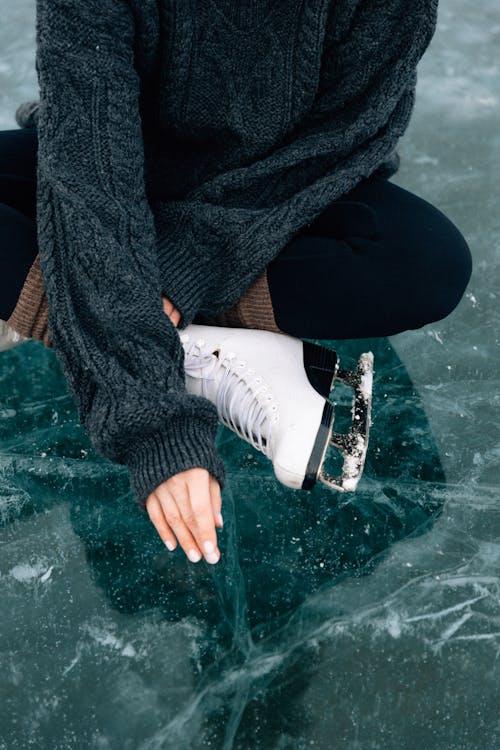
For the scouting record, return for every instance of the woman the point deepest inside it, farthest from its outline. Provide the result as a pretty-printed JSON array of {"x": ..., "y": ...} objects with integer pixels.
[{"x": 224, "y": 163}]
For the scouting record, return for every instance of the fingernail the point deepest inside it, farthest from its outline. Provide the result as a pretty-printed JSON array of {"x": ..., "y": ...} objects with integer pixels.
[
  {"x": 211, "y": 555},
  {"x": 193, "y": 555},
  {"x": 219, "y": 518},
  {"x": 170, "y": 545}
]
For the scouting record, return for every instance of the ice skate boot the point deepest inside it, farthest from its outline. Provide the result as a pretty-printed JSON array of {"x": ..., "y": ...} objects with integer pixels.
[
  {"x": 9, "y": 337},
  {"x": 273, "y": 390}
]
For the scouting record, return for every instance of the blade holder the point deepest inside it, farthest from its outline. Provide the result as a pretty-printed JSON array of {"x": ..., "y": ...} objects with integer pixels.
[{"x": 353, "y": 445}]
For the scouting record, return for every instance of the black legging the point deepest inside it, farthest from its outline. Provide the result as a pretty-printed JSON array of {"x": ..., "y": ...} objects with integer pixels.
[{"x": 377, "y": 261}]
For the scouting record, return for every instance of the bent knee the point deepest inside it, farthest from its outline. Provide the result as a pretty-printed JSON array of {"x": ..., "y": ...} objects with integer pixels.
[
  {"x": 453, "y": 266},
  {"x": 448, "y": 269}
]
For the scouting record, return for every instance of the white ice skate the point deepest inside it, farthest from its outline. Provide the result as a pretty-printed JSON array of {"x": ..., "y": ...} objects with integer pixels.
[
  {"x": 9, "y": 337},
  {"x": 273, "y": 390}
]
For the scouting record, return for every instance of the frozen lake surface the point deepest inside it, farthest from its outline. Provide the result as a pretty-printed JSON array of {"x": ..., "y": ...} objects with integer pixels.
[{"x": 372, "y": 624}]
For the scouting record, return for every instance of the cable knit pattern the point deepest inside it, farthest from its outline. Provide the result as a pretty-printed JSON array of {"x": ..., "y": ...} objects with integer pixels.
[
  {"x": 181, "y": 146},
  {"x": 255, "y": 202}
]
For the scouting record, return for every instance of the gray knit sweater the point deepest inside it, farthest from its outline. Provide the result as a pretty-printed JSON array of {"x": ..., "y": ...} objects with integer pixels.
[{"x": 181, "y": 145}]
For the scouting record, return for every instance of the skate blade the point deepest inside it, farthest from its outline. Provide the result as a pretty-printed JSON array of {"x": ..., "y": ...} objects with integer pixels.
[{"x": 353, "y": 445}]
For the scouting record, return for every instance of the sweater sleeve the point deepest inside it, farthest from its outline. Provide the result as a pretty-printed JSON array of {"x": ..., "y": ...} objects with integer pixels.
[
  {"x": 350, "y": 128},
  {"x": 120, "y": 353}
]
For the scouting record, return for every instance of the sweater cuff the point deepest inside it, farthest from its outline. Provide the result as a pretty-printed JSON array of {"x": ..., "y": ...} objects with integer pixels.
[
  {"x": 159, "y": 456},
  {"x": 183, "y": 281}
]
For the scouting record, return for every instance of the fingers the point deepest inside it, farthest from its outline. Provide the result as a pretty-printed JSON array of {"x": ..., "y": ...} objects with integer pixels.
[
  {"x": 185, "y": 505},
  {"x": 180, "y": 518},
  {"x": 199, "y": 514},
  {"x": 155, "y": 512},
  {"x": 216, "y": 498},
  {"x": 171, "y": 311},
  {"x": 167, "y": 305}
]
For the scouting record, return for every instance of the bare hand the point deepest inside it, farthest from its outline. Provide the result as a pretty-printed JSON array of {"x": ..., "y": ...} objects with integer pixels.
[{"x": 188, "y": 504}]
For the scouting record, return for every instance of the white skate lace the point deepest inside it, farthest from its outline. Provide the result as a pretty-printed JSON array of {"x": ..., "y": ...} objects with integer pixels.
[{"x": 242, "y": 404}]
